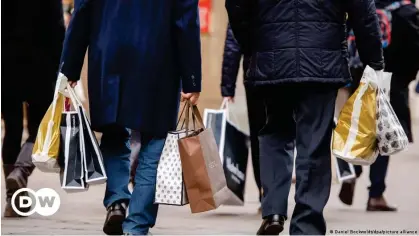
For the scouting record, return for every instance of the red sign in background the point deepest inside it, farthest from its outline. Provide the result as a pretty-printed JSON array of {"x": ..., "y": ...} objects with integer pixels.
[{"x": 205, "y": 15}]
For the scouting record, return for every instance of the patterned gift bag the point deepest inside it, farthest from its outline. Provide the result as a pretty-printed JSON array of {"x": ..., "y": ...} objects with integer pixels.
[
  {"x": 170, "y": 188},
  {"x": 390, "y": 134}
]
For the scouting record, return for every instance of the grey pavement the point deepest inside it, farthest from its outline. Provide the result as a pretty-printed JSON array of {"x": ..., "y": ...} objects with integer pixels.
[{"x": 83, "y": 213}]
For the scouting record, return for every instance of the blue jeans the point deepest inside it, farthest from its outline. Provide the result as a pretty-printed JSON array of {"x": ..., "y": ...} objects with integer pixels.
[{"x": 116, "y": 151}]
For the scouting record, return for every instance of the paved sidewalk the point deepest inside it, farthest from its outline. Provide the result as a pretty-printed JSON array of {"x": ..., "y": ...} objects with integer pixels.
[{"x": 83, "y": 213}]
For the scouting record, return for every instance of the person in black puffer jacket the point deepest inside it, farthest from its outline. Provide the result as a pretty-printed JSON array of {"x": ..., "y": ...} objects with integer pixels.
[
  {"x": 230, "y": 69},
  {"x": 299, "y": 60}
]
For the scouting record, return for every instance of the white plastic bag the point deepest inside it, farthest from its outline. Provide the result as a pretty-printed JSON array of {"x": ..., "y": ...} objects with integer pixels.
[{"x": 390, "y": 134}]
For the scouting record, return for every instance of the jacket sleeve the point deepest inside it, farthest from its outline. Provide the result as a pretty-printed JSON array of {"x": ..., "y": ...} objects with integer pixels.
[
  {"x": 76, "y": 41},
  {"x": 231, "y": 65},
  {"x": 188, "y": 44},
  {"x": 364, "y": 22},
  {"x": 240, "y": 16}
]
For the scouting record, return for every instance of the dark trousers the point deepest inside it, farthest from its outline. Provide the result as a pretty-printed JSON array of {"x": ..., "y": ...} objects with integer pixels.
[
  {"x": 257, "y": 120},
  {"x": 12, "y": 112},
  {"x": 303, "y": 113},
  {"x": 378, "y": 173}
]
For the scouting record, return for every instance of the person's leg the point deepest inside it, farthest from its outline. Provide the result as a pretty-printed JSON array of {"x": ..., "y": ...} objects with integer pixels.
[
  {"x": 116, "y": 151},
  {"x": 276, "y": 142},
  {"x": 12, "y": 112},
  {"x": 347, "y": 190},
  {"x": 314, "y": 121},
  {"x": 36, "y": 109},
  {"x": 257, "y": 119},
  {"x": 142, "y": 210},
  {"x": 378, "y": 173}
]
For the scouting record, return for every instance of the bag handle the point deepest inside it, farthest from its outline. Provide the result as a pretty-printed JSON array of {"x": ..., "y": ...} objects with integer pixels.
[
  {"x": 180, "y": 117},
  {"x": 196, "y": 116}
]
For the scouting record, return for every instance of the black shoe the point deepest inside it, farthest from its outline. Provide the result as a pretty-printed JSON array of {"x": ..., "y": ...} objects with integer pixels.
[
  {"x": 115, "y": 218},
  {"x": 346, "y": 194},
  {"x": 272, "y": 225}
]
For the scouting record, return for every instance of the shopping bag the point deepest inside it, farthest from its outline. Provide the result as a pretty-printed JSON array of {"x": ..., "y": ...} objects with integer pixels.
[
  {"x": 92, "y": 156},
  {"x": 201, "y": 164},
  {"x": 170, "y": 187},
  {"x": 341, "y": 170},
  {"x": 47, "y": 144},
  {"x": 233, "y": 149},
  {"x": 71, "y": 153},
  {"x": 355, "y": 137},
  {"x": 390, "y": 133}
]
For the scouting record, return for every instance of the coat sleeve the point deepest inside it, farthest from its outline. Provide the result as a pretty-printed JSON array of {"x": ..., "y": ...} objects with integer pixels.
[
  {"x": 76, "y": 41},
  {"x": 231, "y": 65},
  {"x": 240, "y": 16},
  {"x": 188, "y": 44},
  {"x": 364, "y": 22}
]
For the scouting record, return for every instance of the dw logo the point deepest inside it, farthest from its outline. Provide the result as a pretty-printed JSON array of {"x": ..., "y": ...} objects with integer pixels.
[{"x": 45, "y": 201}]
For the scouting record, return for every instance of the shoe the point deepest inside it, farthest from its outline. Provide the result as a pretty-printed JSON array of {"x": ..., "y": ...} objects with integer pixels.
[
  {"x": 8, "y": 210},
  {"x": 272, "y": 225},
  {"x": 346, "y": 194},
  {"x": 379, "y": 204},
  {"x": 115, "y": 218},
  {"x": 18, "y": 178}
]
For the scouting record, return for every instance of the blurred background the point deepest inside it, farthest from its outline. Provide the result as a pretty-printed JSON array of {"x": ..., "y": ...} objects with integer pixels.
[{"x": 83, "y": 213}]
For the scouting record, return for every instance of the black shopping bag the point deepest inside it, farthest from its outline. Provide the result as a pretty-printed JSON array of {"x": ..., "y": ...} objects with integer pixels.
[
  {"x": 234, "y": 152},
  {"x": 71, "y": 153},
  {"x": 94, "y": 167},
  {"x": 92, "y": 157}
]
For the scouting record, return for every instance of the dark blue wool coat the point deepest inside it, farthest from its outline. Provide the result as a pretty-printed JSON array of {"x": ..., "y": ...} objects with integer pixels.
[{"x": 141, "y": 54}]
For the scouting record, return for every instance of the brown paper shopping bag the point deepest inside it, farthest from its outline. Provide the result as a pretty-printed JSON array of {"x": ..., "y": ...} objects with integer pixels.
[{"x": 202, "y": 169}]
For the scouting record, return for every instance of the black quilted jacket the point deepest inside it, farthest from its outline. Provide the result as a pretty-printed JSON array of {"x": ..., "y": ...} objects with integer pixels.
[
  {"x": 231, "y": 64},
  {"x": 304, "y": 40}
]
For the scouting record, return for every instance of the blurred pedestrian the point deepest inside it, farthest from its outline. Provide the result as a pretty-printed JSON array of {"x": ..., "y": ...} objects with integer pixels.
[
  {"x": 299, "y": 61},
  {"x": 142, "y": 54},
  {"x": 231, "y": 65},
  {"x": 32, "y": 38},
  {"x": 401, "y": 58}
]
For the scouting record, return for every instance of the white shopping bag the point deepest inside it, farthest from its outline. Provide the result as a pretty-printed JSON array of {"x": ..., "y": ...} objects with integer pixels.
[
  {"x": 170, "y": 186},
  {"x": 390, "y": 134},
  {"x": 233, "y": 149}
]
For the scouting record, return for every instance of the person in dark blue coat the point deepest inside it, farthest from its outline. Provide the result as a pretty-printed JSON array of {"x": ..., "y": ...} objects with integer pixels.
[
  {"x": 299, "y": 59},
  {"x": 141, "y": 55},
  {"x": 230, "y": 69}
]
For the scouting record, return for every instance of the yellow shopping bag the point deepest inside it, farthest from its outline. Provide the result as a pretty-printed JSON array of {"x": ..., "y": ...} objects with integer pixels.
[
  {"x": 355, "y": 136},
  {"x": 47, "y": 144}
]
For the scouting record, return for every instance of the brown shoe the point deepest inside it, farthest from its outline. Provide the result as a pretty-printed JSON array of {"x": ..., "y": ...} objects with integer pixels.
[
  {"x": 8, "y": 210},
  {"x": 346, "y": 194},
  {"x": 115, "y": 218},
  {"x": 16, "y": 179},
  {"x": 379, "y": 204}
]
